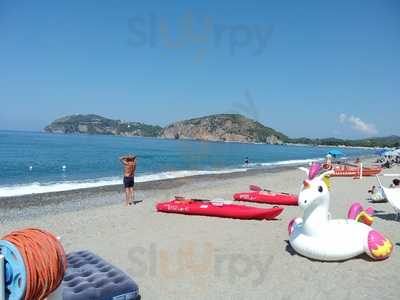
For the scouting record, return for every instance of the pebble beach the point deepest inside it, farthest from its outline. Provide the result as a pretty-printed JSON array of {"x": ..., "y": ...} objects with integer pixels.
[{"x": 174, "y": 256}]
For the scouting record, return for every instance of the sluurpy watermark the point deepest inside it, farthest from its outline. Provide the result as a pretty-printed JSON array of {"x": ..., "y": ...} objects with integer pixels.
[
  {"x": 201, "y": 33},
  {"x": 194, "y": 258},
  {"x": 247, "y": 108}
]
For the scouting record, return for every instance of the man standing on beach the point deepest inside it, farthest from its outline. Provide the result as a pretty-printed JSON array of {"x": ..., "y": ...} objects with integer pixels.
[{"x": 129, "y": 163}]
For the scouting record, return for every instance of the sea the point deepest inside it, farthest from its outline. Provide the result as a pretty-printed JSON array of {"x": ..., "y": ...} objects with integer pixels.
[{"x": 37, "y": 162}]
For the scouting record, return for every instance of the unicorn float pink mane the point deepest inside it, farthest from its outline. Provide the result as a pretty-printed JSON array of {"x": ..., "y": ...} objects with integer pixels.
[{"x": 317, "y": 236}]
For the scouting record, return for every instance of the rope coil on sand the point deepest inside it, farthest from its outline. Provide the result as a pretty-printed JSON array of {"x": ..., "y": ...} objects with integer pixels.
[{"x": 44, "y": 259}]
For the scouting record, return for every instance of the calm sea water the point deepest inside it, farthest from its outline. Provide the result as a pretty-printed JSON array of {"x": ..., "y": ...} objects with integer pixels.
[{"x": 33, "y": 162}]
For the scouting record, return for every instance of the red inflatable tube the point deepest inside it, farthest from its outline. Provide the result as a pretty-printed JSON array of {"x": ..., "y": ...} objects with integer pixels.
[
  {"x": 267, "y": 197},
  {"x": 205, "y": 208}
]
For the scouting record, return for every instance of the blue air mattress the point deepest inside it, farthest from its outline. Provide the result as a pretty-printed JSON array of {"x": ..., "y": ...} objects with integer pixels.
[{"x": 89, "y": 277}]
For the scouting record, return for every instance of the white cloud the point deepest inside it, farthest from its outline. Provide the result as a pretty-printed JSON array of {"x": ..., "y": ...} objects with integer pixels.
[
  {"x": 358, "y": 124},
  {"x": 342, "y": 118}
]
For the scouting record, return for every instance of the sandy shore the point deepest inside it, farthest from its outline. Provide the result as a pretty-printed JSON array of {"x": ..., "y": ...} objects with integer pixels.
[{"x": 187, "y": 257}]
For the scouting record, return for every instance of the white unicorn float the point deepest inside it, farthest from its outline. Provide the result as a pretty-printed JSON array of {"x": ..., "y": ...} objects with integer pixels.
[{"x": 318, "y": 237}]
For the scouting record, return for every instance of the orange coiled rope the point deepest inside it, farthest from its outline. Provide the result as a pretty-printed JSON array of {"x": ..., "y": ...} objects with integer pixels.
[{"x": 44, "y": 258}]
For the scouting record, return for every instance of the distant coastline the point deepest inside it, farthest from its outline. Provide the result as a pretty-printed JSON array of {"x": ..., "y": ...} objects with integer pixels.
[{"x": 212, "y": 128}]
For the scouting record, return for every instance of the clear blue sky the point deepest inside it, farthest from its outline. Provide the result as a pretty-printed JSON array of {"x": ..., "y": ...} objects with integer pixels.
[{"x": 303, "y": 63}]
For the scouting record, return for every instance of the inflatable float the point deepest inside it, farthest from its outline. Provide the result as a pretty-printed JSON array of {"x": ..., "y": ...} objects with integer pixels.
[
  {"x": 318, "y": 237},
  {"x": 217, "y": 209},
  {"x": 266, "y": 196},
  {"x": 88, "y": 276}
]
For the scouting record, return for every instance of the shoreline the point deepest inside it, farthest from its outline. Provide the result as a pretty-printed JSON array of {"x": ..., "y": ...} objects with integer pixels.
[
  {"x": 44, "y": 204},
  {"x": 54, "y": 197},
  {"x": 30, "y": 207},
  {"x": 110, "y": 183},
  {"x": 40, "y": 199}
]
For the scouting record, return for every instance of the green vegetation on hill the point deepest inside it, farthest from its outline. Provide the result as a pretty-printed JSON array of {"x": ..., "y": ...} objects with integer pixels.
[
  {"x": 389, "y": 141},
  {"x": 223, "y": 127},
  {"x": 219, "y": 127},
  {"x": 94, "y": 124}
]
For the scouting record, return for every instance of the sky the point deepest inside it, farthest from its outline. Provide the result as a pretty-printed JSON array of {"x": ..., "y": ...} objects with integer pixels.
[{"x": 305, "y": 68}]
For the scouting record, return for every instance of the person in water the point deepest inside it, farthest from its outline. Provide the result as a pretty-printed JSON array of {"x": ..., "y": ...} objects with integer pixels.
[
  {"x": 129, "y": 163},
  {"x": 246, "y": 161}
]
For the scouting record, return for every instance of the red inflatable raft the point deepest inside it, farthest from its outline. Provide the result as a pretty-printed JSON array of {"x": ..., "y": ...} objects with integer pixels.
[
  {"x": 267, "y": 197},
  {"x": 207, "y": 208}
]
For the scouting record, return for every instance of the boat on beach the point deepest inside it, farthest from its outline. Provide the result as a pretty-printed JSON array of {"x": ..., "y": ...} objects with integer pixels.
[
  {"x": 217, "y": 209},
  {"x": 354, "y": 171}
]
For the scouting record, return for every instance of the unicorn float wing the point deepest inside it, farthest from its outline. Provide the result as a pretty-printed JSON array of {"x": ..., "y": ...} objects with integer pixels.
[
  {"x": 392, "y": 195},
  {"x": 318, "y": 237}
]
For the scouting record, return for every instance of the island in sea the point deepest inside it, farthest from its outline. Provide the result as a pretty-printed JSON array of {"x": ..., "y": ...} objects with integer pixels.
[
  {"x": 218, "y": 128},
  {"x": 94, "y": 124}
]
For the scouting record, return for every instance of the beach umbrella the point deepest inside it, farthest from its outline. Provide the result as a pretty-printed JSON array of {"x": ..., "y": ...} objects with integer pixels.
[
  {"x": 380, "y": 151},
  {"x": 384, "y": 153},
  {"x": 392, "y": 153},
  {"x": 335, "y": 152}
]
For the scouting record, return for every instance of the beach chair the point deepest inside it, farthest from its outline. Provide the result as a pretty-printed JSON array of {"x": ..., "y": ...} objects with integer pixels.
[{"x": 392, "y": 195}]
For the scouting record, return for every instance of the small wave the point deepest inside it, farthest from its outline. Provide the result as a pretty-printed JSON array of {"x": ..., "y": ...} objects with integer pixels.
[
  {"x": 293, "y": 162},
  {"x": 181, "y": 174},
  {"x": 41, "y": 188}
]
